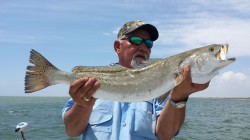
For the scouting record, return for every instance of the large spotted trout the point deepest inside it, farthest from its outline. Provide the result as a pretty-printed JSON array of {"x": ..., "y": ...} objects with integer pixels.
[{"x": 146, "y": 81}]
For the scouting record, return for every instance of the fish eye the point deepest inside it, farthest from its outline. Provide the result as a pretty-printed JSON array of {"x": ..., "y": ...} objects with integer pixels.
[{"x": 211, "y": 49}]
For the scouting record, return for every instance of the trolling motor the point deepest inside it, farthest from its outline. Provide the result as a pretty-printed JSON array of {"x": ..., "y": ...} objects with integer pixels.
[{"x": 20, "y": 127}]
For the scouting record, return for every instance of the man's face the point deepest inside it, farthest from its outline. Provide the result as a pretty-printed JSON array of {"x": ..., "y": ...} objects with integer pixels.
[{"x": 128, "y": 52}]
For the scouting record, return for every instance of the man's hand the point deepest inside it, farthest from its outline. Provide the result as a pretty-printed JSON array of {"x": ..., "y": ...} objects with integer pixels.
[
  {"x": 82, "y": 91},
  {"x": 186, "y": 88},
  {"x": 77, "y": 117}
]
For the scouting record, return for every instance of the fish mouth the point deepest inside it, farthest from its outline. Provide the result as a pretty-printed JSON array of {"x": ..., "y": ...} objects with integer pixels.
[{"x": 222, "y": 53}]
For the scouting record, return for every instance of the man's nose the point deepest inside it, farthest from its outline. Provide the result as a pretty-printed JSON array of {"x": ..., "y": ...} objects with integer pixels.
[{"x": 143, "y": 47}]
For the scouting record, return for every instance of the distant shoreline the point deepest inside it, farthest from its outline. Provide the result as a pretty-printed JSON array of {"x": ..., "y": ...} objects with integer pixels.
[{"x": 226, "y": 98}]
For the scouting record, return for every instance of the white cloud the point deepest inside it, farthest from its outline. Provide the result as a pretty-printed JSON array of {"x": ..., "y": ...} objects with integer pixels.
[
  {"x": 227, "y": 84},
  {"x": 239, "y": 5},
  {"x": 232, "y": 77},
  {"x": 116, "y": 30},
  {"x": 209, "y": 30},
  {"x": 204, "y": 22}
]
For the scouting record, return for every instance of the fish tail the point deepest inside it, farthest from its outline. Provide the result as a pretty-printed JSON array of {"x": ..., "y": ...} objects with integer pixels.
[{"x": 40, "y": 75}]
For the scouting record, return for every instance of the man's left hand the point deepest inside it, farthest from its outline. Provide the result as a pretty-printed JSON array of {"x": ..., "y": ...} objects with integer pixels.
[{"x": 186, "y": 87}]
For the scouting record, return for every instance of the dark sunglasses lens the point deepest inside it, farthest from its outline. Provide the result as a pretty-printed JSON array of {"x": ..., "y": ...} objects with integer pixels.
[
  {"x": 149, "y": 43},
  {"x": 136, "y": 40}
]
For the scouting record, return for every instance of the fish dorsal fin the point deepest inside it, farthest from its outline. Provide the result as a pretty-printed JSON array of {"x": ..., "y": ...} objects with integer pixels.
[
  {"x": 143, "y": 64},
  {"x": 103, "y": 69}
]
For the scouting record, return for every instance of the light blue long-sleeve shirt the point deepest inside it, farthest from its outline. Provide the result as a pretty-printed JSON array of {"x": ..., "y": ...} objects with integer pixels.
[{"x": 121, "y": 121}]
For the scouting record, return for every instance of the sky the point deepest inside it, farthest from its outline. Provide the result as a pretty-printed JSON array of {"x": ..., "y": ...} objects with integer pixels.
[{"x": 80, "y": 32}]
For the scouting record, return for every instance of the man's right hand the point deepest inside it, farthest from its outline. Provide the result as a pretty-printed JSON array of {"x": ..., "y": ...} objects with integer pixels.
[
  {"x": 82, "y": 90},
  {"x": 76, "y": 118}
]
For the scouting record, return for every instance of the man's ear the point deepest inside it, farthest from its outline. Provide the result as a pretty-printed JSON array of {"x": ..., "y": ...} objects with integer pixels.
[{"x": 117, "y": 46}]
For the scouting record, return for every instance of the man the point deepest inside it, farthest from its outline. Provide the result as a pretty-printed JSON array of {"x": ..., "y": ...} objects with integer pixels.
[{"x": 100, "y": 119}]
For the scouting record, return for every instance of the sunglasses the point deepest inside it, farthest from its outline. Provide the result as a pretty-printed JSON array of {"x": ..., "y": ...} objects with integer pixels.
[{"x": 136, "y": 40}]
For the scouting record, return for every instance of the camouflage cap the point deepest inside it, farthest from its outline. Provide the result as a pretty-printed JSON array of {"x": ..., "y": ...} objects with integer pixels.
[{"x": 137, "y": 24}]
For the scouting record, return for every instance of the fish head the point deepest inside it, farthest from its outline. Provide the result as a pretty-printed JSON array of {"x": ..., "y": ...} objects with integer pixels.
[{"x": 206, "y": 62}]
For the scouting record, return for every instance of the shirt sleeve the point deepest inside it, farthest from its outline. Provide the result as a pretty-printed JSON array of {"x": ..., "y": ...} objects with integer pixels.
[{"x": 67, "y": 106}]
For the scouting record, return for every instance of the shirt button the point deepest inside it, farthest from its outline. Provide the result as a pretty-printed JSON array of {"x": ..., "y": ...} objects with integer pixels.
[{"x": 124, "y": 124}]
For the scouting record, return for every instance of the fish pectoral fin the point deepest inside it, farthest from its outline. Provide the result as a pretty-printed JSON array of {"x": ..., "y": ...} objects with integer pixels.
[{"x": 163, "y": 97}]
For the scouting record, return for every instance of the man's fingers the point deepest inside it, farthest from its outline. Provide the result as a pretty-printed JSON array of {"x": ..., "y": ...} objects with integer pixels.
[
  {"x": 90, "y": 88},
  {"x": 82, "y": 90},
  {"x": 200, "y": 87},
  {"x": 75, "y": 85},
  {"x": 187, "y": 74},
  {"x": 92, "y": 91},
  {"x": 85, "y": 103},
  {"x": 86, "y": 87}
]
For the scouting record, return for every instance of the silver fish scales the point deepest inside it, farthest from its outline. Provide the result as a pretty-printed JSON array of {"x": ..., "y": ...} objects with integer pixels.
[{"x": 146, "y": 81}]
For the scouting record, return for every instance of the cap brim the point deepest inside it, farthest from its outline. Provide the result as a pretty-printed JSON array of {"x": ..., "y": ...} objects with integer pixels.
[{"x": 151, "y": 29}]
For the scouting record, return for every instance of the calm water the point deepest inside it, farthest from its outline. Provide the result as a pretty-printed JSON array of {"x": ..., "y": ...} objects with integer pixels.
[{"x": 210, "y": 119}]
